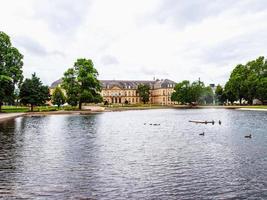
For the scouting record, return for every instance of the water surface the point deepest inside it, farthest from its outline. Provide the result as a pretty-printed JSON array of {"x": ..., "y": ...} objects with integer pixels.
[{"x": 118, "y": 156}]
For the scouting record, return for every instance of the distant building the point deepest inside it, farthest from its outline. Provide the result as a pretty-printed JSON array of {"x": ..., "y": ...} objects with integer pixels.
[{"x": 121, "y": 91}]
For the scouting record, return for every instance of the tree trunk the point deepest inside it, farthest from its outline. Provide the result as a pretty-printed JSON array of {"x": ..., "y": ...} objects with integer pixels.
[
  {"x": 80, "y": 105},
  {"x": 240, "y": 101},
  {"x": 31, "y": 108},
  {"x": 0, "y": 106}
]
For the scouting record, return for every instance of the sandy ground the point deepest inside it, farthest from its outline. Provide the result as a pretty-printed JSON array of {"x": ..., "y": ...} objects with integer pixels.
[
  {"x": 254, "y": 109},
  {"x": 6, "y": 116}
]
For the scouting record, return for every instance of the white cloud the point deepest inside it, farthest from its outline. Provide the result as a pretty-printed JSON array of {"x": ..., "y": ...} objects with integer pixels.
[{"x": 137, "y": 39}]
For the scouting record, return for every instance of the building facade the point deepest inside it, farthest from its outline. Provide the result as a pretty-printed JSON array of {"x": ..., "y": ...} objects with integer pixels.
[{"x": 122, "y": 91}]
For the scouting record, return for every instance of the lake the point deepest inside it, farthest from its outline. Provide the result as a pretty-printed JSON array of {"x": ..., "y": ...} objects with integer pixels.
[{"x": 119, "y": 155}]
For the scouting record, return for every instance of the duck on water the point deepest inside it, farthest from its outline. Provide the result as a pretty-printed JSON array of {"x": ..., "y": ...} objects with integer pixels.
[{"x": 248, "y": 136}]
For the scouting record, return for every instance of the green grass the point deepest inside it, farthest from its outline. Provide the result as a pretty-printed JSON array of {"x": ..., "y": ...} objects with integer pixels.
[
  {"x": 14, "y": 109},
  {"x": 18, "y": 109}
]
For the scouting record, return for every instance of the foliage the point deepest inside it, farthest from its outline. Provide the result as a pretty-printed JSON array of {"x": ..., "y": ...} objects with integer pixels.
[
  {"x": 58, "y": 97},
  {"x": 248, "y": 81},
  {"x": 81, "y": 83},
  {"x": 207, "y": 96},
  {"x": 33, "y": 92},
  {"x": 10, "y": 69},
  {"x": 143, "y": 91},
  {"x": 219, "y": 94},
  {"x": 196, "y": 92},
  {"x": 71, "y": 86}
]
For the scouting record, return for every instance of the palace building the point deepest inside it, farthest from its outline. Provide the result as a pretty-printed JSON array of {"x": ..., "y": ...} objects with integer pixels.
[{"x": 121, "y": 91}]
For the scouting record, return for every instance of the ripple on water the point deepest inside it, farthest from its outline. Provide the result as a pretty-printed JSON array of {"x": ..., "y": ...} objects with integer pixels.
[{"x": 116, "y": 156}]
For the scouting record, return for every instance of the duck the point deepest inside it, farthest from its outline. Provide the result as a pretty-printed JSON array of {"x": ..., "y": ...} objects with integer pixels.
[
  {"x": 156, "y": 124},
  {"x": 202, "y": 134},
  {"x": 220, "y": 122},
  {"x": 248, "y": 136}
]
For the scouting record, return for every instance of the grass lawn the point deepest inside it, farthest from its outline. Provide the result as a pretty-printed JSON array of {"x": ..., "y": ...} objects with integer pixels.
[{"x": 19, "y": 109}]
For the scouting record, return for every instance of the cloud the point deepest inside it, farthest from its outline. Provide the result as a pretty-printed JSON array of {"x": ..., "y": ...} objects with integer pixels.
[
  {"x": 34, "y": 47},
  {"x": 62, "y": 16},
  {"x": 182, "y": 13},
  {"x": 175, "y": 39},
  {"x": 109, "y": 60}
]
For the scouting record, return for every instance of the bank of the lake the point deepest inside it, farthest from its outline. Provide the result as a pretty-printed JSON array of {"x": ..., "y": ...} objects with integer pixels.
[
  {"x": 97, "y": 109},
  {"x": 8, "y": 116}
]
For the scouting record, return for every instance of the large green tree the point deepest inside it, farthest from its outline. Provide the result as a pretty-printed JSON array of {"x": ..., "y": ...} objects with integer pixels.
[
  {"x": 207, "y": 96},
  {"x": 33, "y": 92},
  {"x": 71, "y": 86},
  {"x": 81, "y": 83},
  {"x": 182, "y": 92},
  {"x": 58, "y": 97},
  {"x": 186, "y": 92},
  {"x": 10, "y": 69},
  {"x": 143, "y": 91},
  {"x": 261, "y": 90},
  {"x": 220, "y": 95},
  {"x": 237, "y": 84},
  {"x": 247, "y": 81}
]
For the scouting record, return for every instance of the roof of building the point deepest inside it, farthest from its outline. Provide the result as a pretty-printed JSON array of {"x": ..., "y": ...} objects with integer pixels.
[{"x": 130, "y": 84}]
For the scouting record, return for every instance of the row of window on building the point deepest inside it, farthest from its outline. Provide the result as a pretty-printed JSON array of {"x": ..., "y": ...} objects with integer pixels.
[{"x": 134, "y": 93}]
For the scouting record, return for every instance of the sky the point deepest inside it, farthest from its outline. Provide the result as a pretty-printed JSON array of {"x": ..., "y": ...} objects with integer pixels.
[{"x": 137, "y": 39}]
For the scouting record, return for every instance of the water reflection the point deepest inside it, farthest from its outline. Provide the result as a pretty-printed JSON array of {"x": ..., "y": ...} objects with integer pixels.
[{"x": 116, "y": 156}]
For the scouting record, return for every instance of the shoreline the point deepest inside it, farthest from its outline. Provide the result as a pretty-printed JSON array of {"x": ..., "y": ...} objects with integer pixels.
[
  {"x": 253, "y": 109},
  {"x": 8, "y": 116}
]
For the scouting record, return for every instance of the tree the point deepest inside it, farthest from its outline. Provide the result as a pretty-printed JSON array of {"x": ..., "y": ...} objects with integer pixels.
[
  {"x": 182, "y": 92},
  {"x": 143, "y": 91},
  {"x": 71, "y": 86},
  {"x": 207, "y": 96},
  {"x": 261, "y": 89},
  {"x": 247, "y": 81},
  {"x": 81, "y": 83},
  {"x": 33, "y": 92},
  {"x": 58, "y": 97},
  {"x": 188, "y": 93},
  {"x": 219, "y": 94},
  {"x": 10, "y": 69},
  {"x": 237, "y": 83},
  {"x": 197, "y": 90}
]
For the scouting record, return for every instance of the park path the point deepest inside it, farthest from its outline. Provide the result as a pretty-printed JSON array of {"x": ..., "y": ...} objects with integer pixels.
[{"x": 6, "y": 116}]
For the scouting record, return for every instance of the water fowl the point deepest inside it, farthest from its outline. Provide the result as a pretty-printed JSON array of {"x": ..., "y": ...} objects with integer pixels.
[
  {"x": 248, "y": 136},
  {"x": 220, "y": 122},
  {"x": 202, "y": 134}
]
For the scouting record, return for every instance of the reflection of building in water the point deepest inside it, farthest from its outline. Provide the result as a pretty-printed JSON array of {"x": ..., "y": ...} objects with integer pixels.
[{"x": 119, "y": 91}]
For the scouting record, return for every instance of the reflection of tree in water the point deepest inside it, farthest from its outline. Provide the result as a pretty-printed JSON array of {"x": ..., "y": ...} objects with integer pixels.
[{"x": 9, "y": 149}]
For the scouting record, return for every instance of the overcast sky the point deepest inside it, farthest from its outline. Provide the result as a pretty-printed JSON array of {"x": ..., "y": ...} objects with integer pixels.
[{"x": 137, "y": 39}]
